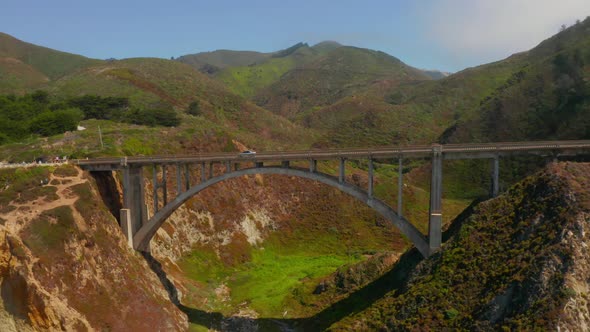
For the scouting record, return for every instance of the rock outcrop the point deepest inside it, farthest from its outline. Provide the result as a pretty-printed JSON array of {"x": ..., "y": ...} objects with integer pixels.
[
  {"x": 519, "y": 262},
  {"x": 64, "y": 264}
]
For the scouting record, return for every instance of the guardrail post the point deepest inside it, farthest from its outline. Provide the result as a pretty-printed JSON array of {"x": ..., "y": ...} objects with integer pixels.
[
  {"x": 495, "y": 177},
  {"x": 400, "y": 186},
  {"x": 341, "y": 176},
  {"x": 435, "y": 222},
  {"x": 370, "y": 180}
]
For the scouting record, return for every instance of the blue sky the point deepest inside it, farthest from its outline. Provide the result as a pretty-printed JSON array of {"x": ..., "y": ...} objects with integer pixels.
[{"x": 433, "y": 34}]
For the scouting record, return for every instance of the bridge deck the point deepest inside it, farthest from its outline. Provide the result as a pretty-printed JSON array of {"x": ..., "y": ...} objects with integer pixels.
[{"x": 449, "y": 151}]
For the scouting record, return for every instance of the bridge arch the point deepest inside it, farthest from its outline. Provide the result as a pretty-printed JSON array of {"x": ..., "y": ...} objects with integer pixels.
[{"x": 147, "y": 231}]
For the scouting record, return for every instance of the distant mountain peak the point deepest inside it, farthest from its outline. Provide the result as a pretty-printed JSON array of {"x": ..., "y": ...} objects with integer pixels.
[
  {"x": 290, "y": 50},
  {"x": 331, "y": 43},
  {"x": 326, "y": 46}
]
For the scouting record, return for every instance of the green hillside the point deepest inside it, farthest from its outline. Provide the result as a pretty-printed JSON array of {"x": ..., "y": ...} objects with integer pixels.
[
  {"x": 51, "y": 63},
  {"x": 328, "y": 78},
  {"x": 18, "y": 77},
  {"x": 248, "y": 80},
  {"x": 216, "y": 114},
  {"x": 547, "y": 95}
]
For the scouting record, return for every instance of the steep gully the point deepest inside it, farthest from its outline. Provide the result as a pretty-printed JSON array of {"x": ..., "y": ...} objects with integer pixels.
[{"x": 360, "y": 299}]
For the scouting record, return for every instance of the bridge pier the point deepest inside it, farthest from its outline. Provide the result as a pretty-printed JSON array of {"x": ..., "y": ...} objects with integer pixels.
[
  {"x": 126, "y": 226},
  {"x": 495, "y": 190},
  {"x": 134, "y": 210},
  {"x": 211, "y": 170},
  {"x": 435, "y": 220},
  {"x": 259, "y": 164},
  {"x": 285, "y": 164}
]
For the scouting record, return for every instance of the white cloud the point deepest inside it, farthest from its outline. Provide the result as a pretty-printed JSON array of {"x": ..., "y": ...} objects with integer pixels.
[{"x": 493, "y": 28}]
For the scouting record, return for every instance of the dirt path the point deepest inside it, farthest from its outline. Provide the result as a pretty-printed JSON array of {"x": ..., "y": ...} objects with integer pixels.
[{"x": 23, "y": 213}]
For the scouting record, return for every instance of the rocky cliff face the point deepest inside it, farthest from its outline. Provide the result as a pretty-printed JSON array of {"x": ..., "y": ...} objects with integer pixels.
[
  {"x": 519, "y": 262},
  {"x": 64, "y": 264}
]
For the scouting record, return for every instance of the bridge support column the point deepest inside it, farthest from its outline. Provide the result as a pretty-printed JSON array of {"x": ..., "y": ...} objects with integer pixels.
[
  {"x": 156, "y": 185},
  {"x": 285, "y": 164},
  {"x": 341, "y": 176},
  {"x": 259, "y": 164},
  {"x": 203, "y": 173},
  {"x": 187, "y": 177},
  {"x": 228, "y": 166},
  {"x": 400, "y": 187},
  {"x": 211, "y": 170},
  {"x": 370, "y": 180},
  {"x": 313, "y": 165},
  {"x": 133, "y": 202},
  {"x": 178, "y": 180},
  {"x": 495, "y": 177},
  {"x": 164, "y": 185},
  {"x": 435, "y": 222}
]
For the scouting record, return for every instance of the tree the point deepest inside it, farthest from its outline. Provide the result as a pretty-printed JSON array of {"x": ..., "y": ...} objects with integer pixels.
[
  {"x": 56, "y": 122},
  {"x": 153, "y": 117},
  {"x": 194, "y": 108}
]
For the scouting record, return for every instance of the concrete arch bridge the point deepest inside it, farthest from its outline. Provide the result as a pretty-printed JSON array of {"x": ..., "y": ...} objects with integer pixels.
[{"x": 139, "y": 228}]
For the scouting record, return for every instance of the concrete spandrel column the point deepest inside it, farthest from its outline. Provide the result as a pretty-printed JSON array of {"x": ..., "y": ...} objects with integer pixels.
[
  {"x": 370, "y": 180},
  {"x": 156, "y": 185},
  {"x": 435, "y": 222},
  {"x": 203, "y": 173},
  {"x": 164, "y": 185},
  {"x": 400, "y": 187},
  {"x": 178, "y": 180},
  {"x": 342, "y": 175},
  {"x": 187, "y": 177},
  {"x": 495, "y": 177},
  {"x": 313, "y": 165}
]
